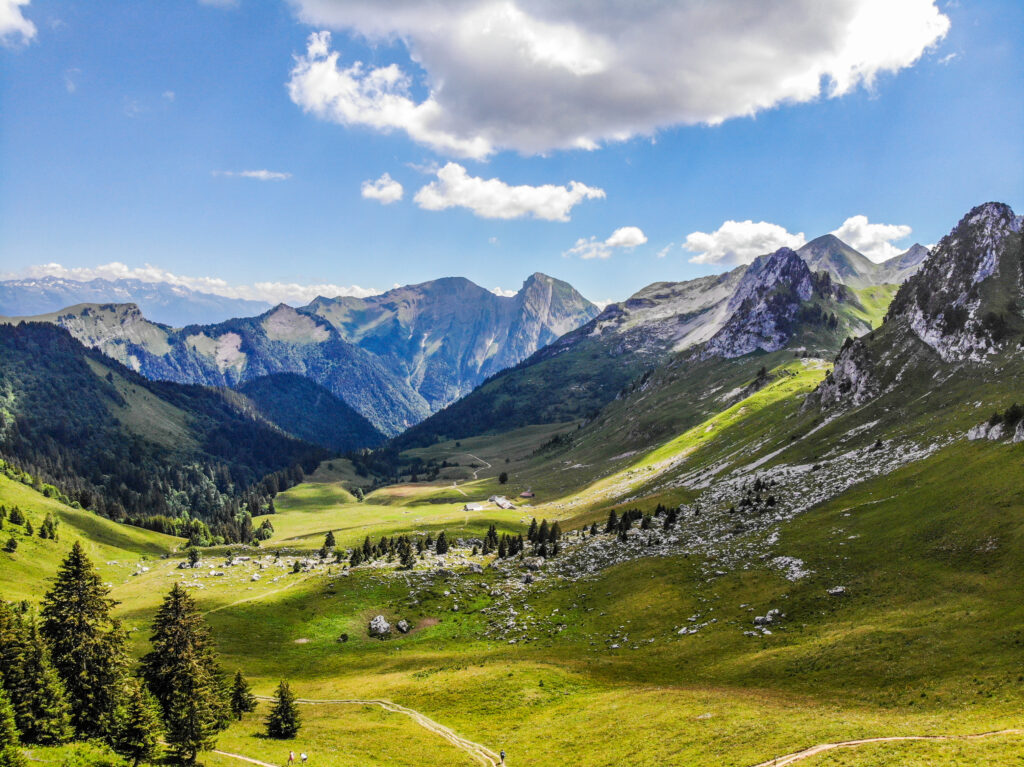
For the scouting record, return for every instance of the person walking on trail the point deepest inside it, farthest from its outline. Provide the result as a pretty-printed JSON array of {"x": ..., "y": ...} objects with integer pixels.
[
  {"x": 291, "y": 757},
  {"x": 303, "y": 757},
  {"x": 502, "y": 756}
]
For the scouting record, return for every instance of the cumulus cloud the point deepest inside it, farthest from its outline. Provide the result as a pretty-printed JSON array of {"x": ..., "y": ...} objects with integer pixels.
[
  {"x": 873, "y": 240},
  {"x": 533, "y": 75},
  {"x": 740, "y": 242},
  {"x": 14, "y": 27},
  {"x": 271, "y": 292},
  {"x": 259, "y": 175},
  {"x": 624, "y": 237},
  {"x": 503, "y": 292},
  {"x": 493, "y": 198},
  {"x": 384, "y": 190}
]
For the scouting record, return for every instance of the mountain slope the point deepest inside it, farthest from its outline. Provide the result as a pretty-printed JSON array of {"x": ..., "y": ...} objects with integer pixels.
[
  {"x": 160, "y": 301},
  {"x": 959, "y": 318},
  {"x": 852, "y": 268},
  {"x": 446, "y": 336},
  {"x": 130, "y": 448},
  {"x": 774, "y": 303},
  {"x": 307, "y": 411},
  {"x": 229, "y": 353}
]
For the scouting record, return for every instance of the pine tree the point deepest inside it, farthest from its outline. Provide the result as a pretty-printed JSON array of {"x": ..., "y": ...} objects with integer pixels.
[
  {"x": 442, "y": 544},
  {"x": 613, "y": 522},
  {"x": 242, "y": 699},
  {"x": 29, "y": 530},
  {"x": 542, "y": 533},
  {"x": 356, "y": 559},
  {"x": 136, "y": 732},
  {"x": 367, "y": 549},
  {"x": 87, "y": 646},
  {"x": 555, "y": 534},
  {"x": 10, "y": 753},
  {"x": 531, "y": 534},
  {"x": 40, "y": 704},
  {"x": 502, "y": 549},
  {"x": 284, "y": 721},
  {"x": 329, "y": 542},
  {"x": 12, "y": 545},
  {"x": 183, "y": 674}
]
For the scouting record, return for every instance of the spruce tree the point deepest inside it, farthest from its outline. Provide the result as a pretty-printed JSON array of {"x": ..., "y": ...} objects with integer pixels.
[
  {"x": 531, "y": 534},
  {"x": 183, "y": 674},
  {"x": 40, "y": 704},
  {"x": 442, "y": 544},
  {"x": 10, "y": 753},
  {"x": 284, "y": 721},
  {"x": 136, "y": 731},
  {"x": 242, "y": 699},
  {"x": 87, "y": 646},
  {"x": 542, "y": 533}
]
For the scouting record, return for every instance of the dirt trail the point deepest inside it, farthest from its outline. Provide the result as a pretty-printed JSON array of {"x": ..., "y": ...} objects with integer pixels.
[
  {"x": 246, "y": 759},
  {"x": 478, "y": 458},
  {"x": 799, "y": 756},
  {"x": 480, "y": 753},
  {"x": 257, "y": 597}
]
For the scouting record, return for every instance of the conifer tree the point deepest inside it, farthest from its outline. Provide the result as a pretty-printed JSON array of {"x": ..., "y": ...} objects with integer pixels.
[
  {"x": 87, "y": 646},
  {"x": 502, "y": 549},
  {"x": 12, "y": 545},
  {"x": 183, "y": 674},
  {"x": 356, "y": 558},
  {"x": 442, "y": 544},
  {"x": 329, "y": 542},
  {"x": 41, "y": 708},
  {"x": 613, "y": 522},
  {"x": 555, "y": 533},
  {"x": 242, "y": 699},
  {"x": 10, "y": 753},
  {"x": 284, "y": 721},
  {"x": 29, "y": 530},
  {"x": 542, "y": 533},
  {"x": 137, "y": 729},
  {"x": 531, "y": 534},
  {"x": 367, "y": 549}
]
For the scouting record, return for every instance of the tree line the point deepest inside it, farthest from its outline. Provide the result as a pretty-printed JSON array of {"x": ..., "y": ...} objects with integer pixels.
[{"x": 66, "y": 675}]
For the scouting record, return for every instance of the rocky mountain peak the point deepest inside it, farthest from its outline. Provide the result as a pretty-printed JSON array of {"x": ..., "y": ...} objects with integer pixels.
[
  {"x": 951, "y": 303},
  {"x": 781, "y": 269}
]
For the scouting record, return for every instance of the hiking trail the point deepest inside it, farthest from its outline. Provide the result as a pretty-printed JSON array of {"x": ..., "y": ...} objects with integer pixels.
[{"x": 799, "y": 756}]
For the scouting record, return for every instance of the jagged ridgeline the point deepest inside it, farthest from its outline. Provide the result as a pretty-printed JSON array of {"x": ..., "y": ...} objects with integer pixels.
[
  {"x": 775, "y": 303},
  {"x": 155, "y": 454},
  {"x": 393, "y": 358},
  {"x": 956, "y": 325}
]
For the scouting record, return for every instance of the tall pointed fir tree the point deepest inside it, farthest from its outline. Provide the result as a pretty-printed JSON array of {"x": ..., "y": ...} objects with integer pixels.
[
  {"x": 10, "y": 753},
  {"x": 242, "y": 699},
  {"x": 87, "y": 646},
  {"x": 41, "y": 708},
  {"x": 284, "y": 721},
  {"x": 137, "y": 729},
  {"x": 183, "y": 674}
]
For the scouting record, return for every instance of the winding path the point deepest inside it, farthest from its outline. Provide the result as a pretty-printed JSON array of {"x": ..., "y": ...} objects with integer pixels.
[
  {"x": 480, "y": 753},
  {"x": 478, "y": 458},
  {"x": 807, "y": 753}
]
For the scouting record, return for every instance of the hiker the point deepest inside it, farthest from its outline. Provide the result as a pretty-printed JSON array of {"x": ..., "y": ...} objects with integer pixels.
[
  {"x": 291, "y": 757},
  {"x": 502, "y": 756},
  {"x": 303, "y": 757}
]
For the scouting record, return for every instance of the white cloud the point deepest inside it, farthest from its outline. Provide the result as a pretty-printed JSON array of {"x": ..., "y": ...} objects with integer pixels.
[
  {"x": 740, "y": 242},
  {"x": 385, "y": 190},
  {"x": 14, "y": 27},
  {"x": 71, "y": 79},
  {"x": 493, "y": 198},
  {"x": 169, "y": 95},
  {"x": 664, "y": 251},
  {"x": 623, "y": 237},
  {"x": 259, "y": 175},
  {"x": 533, "y": 75},
  {"x": 873, "y": 240},
  {"x": 503, "y": 292},
  {"x": 271, "y": 292}
]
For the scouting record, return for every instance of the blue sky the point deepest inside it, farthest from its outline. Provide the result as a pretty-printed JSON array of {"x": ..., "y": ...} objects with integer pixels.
[{"x": 125, "y": 128}]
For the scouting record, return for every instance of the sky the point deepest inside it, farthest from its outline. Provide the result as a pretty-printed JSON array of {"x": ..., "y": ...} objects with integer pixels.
[{"x": 279, "y": 150}]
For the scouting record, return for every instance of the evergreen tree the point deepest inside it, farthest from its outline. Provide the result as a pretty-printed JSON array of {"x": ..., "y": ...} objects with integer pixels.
[
  {"x": 17, "y": 517},
  {"x": 242, "y": 699},
  {"x": 87, "y": 646},
  {"x": 613, "y": 522},
  {"x": 531, "y": 534},
  {"x": 40, "y": 704},
  {"x": 284, "y": 721},
  {"x": 502, "y": 549},
  {"x": 555, "y": 533},
  {"x": 503, "y": 477},
  {"x": 29, "y": 530},
  {"x": 356, "y": 559},
  {"x": 542, "y": 533},
  {"x": 10, "y": 753},
  {"x": 367, "y": 549},
  {"x": 136, "y": 732},
  {"x": 329, "y": 542},
  {"x": 593, "y": 529},
  {"x": 12, "y": 545},
  {"x": 442, "y": 544},
  {"x": 193, "y": 556},
  {"x": 183, "y": 674}
]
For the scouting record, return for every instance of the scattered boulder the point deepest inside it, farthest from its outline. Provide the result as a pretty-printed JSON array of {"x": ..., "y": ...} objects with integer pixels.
[
  {"x": 404, "y": 626},
  {"x": 379, "y": 627},
  {"x": 837, "y": 591},
  {"x": 533, "y": 563}
]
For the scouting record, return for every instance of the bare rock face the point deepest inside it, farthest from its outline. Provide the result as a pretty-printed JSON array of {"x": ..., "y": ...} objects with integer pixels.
[
  {"x": 379, "y": 627},
  {"x": 945, "y": 302}
]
